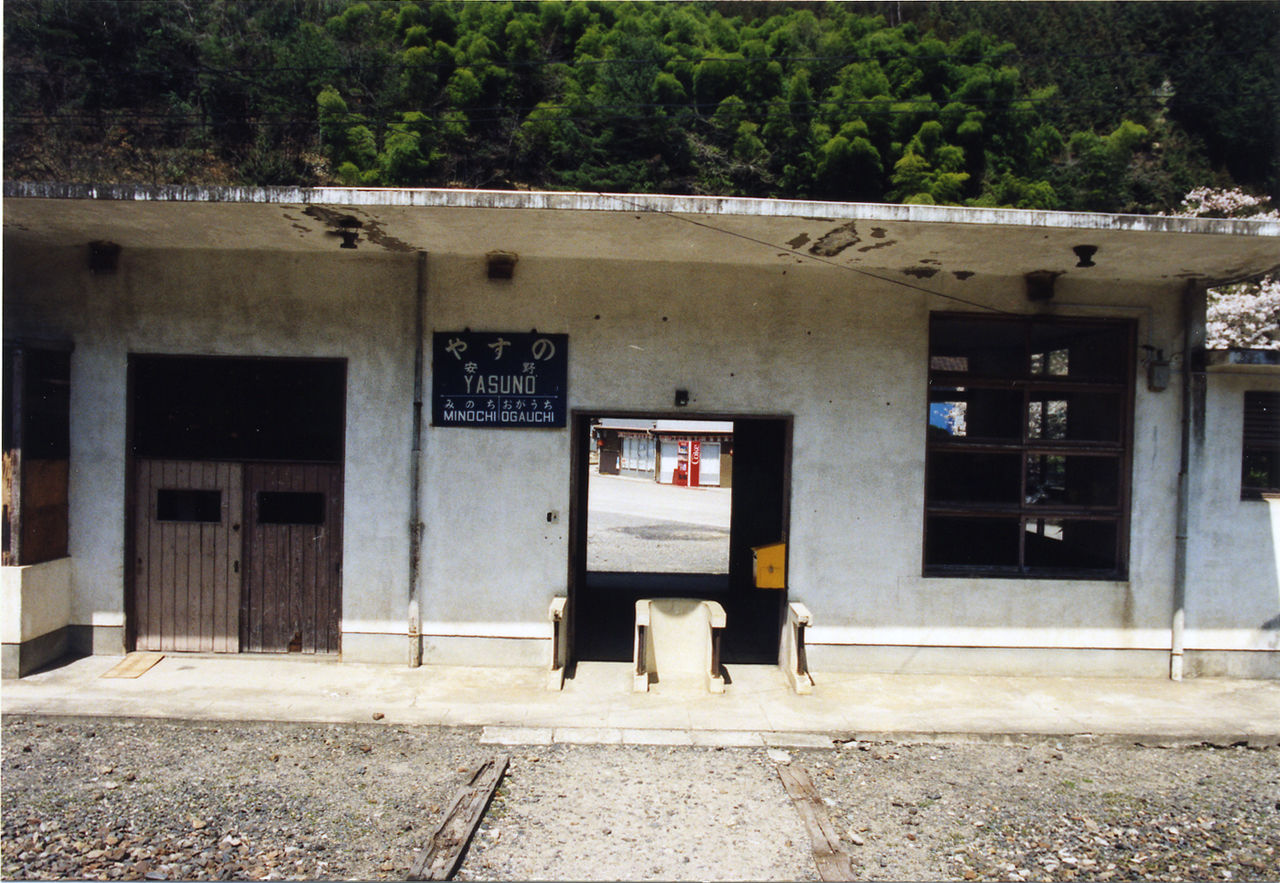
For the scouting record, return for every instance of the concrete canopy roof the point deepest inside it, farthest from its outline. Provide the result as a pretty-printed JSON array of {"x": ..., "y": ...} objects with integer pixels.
[{"x": 904, "y": 242}]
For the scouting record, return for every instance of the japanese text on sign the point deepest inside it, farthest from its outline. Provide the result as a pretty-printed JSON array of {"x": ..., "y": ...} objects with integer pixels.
[{"x": 499, "y": 379}]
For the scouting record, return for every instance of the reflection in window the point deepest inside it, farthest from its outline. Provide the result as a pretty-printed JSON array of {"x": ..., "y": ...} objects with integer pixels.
[
  {"x": 1056, "y": 363},
  {"x": 1028, "y": 446},
  {"x": 1047, "y": 419}
]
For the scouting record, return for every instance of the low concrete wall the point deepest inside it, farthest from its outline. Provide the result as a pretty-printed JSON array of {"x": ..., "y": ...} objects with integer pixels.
[
  {"x": 1259, "y": 664},
  {"x": 1000, "y": 661},
  {"x": 37, "y": 611},
  {"x": 485, "y": 651}
]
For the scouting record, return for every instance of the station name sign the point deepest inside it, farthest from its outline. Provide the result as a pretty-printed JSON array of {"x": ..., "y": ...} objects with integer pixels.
[{"x": 499, "y": 380}]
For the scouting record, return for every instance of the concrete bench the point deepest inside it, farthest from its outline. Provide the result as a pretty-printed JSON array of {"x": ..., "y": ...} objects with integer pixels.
[
  {"x": 791, "y": 655},
  {"x": 558, "y": 613},
  {"x": 677, "y": 640}
]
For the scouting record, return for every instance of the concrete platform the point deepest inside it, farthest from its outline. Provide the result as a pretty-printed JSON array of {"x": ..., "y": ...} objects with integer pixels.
[{"x": 597, "y": 704}]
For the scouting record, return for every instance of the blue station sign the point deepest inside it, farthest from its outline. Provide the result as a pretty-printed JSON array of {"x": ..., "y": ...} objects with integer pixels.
[{"x": 499, "y": 380}]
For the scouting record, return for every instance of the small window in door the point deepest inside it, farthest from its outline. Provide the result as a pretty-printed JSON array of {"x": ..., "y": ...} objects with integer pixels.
[
  {"x": 290, "y": 507},
  {"x": 201, "y": 507}
]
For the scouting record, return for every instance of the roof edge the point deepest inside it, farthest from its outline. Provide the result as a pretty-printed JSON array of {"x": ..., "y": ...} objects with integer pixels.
[{"x": 724, "y": 206}]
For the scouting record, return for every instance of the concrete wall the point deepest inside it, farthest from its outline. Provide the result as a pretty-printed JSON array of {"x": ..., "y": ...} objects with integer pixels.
[
  {"x": 1233, "y": 573},
  {"x": 843, "y": 354},
  {"x": 847, "y": 357},
  {"x": 355, "y": 306},
  {"x": 36, "y": 613}
]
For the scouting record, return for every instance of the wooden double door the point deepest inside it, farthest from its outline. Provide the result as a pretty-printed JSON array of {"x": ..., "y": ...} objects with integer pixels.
[{"x": 237, "y": 557}]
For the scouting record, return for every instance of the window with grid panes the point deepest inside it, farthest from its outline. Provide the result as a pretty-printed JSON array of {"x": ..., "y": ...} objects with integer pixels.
[
  {"x": 1029, "y": 443},
  {"x": 1260, "y": 466}
]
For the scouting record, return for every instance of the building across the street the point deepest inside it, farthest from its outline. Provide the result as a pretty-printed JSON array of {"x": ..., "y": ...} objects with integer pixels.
[
  {"x": 359, "y": 422},
  {"x": 688, "y": 453}
]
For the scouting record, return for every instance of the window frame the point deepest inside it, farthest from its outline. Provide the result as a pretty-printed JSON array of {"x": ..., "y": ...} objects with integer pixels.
[
  {"x": 1032, "y": 386},
  {"x": 1257, "y": 436}
]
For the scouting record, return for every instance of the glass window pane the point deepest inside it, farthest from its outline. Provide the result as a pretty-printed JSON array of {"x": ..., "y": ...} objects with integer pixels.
[
  {"x": 1065, "y": 480},
  {"x": 958, "y": 477},
  {"x": 1260, "y": 461},
  {"x": 981, "y": 347},
  {"x": 1261, "y": 470},
  {"x": 1075, "y": 416},
  {"x": 948, "y": 419},
  {"x": 1066, "y": 544},
  {"x": 973, "y": 542},
  {"x": 976, "y": 414},
  {"x": 1080, "y": 351}
]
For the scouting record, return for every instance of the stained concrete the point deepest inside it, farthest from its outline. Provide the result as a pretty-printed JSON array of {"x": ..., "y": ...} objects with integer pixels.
[{"x": 598, "y": 706}]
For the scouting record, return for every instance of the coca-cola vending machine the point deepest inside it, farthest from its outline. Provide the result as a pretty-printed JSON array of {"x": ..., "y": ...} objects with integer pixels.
[{"x": 681, "y": 474}]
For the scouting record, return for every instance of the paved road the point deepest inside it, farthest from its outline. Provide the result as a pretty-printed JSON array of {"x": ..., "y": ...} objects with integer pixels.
[
  {"x": 634, "y": 525},
  {"x": 649, "y": 501}
]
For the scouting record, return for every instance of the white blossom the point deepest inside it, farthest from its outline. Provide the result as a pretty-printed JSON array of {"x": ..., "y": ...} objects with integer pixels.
[{"x": 1245, "y": 315}]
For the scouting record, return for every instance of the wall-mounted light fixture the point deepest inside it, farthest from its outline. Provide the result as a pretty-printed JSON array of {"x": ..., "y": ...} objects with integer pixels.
[
  {"x": 501, "y": 264},
  {"x": 349, "y": 230},
  {"x": 1085, "y": 254},
  {"x": 1040, "y": 284},
  {"x": 682, "y": 398},
  {"x": 104, "y": 257}
]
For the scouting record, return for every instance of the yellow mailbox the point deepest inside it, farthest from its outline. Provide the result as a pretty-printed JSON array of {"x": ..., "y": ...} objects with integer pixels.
[{"x": 769, "y": 564}]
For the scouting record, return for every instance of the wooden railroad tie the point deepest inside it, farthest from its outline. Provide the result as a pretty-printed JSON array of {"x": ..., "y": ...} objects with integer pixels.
[
  {"x": 444, "y": 852},
  {"x": 832, "y": 861}
]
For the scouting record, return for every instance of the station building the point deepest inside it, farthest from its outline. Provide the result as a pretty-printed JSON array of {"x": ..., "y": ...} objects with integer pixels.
[{"x": 357, "y": 423}]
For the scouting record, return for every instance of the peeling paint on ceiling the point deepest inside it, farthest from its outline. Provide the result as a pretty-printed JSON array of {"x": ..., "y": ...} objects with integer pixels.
[
  {"x": 836, "y": 240},
  {"x": 920, "y": 272},
  {"x": 873, "y": 246}
]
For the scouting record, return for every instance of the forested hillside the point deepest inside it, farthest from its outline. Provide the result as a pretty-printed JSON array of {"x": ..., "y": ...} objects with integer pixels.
[{"x": 1087, "y": 106}]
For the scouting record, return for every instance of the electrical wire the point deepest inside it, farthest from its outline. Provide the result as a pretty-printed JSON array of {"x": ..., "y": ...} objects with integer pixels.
[{"x": 808, "y": 256}]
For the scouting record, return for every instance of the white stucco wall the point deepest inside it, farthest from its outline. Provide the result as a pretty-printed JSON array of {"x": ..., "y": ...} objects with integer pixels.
[
  {"x": 354, "y": 306},
  {"x": 846, "y": 356},
  {"x": 1233, "y": 583}
]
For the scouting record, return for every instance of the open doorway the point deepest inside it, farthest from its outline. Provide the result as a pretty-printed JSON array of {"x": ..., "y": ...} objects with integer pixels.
[
  {"x": 672, "y": 508},
  {"x": 654, "y": 505}
]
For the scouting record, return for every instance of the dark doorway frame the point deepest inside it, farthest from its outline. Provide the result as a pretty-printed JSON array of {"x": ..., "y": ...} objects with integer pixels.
[
  {"x": 337, "y": 456},
  {"x": 759, "y": 613}
]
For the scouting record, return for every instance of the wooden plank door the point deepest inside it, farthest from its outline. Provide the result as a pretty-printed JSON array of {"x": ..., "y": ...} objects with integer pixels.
[
  {"x": 187, "y": 544},
  {"x": 292, "y": 598}
]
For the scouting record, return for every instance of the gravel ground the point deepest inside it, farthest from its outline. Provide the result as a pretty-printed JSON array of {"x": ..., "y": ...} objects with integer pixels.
[{"x": 98, "y": 798}]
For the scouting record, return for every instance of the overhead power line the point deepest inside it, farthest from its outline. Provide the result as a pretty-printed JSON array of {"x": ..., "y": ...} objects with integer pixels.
[{"x": 803, "y": 255}]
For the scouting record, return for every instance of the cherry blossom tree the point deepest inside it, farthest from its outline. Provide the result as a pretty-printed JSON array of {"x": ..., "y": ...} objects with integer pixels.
[{"x": 1245, "y": 315}]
